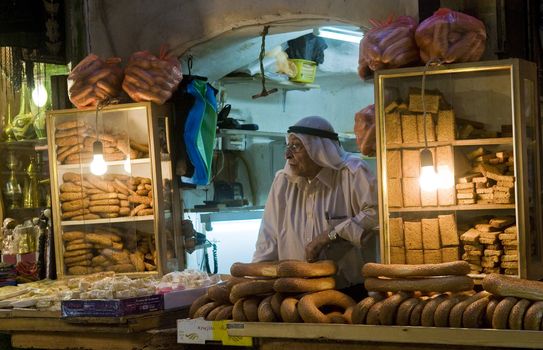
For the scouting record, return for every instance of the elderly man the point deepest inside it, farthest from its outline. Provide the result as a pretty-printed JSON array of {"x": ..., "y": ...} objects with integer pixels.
[{"x": 322, "y": 205}]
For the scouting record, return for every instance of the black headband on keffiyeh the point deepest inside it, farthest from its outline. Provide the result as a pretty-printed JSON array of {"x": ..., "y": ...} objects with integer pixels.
[{"x": 313, "y": 132}]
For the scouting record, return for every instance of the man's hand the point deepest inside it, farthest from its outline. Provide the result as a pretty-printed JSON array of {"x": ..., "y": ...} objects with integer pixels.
[{"x": 314, "y": 248}]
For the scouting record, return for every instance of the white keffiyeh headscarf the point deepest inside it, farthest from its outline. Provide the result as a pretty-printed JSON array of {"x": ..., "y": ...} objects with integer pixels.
[{"x": 325, "y": 150}]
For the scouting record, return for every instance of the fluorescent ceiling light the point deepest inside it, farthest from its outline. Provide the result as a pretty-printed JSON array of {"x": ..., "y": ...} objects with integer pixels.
[{"x": 338, "y": 33}]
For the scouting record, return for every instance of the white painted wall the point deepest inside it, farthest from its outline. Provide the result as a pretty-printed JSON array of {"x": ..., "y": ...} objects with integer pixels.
[{"x": 337, "y": 100}]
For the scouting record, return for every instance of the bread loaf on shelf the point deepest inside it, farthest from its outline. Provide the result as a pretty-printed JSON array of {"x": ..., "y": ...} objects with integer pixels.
[
  {"x": 397, "y": 255},
  {"x": 396, "y": 235},
  {"x": 394, "y": 191},
  {"x": 430, "y": 128},
  {"x": 409, "y": 128},
  {"x": 445, "y": 125},
  {"x": 393, "y": 128},
  {"x": 394, "y": 164},
  {"x": 414, "y": 256},
  {"x": 410, "y": 163},
  {"x": 430, "y": 234},
  {"x": 413, "y": 235},
  {"x": 411, "y": 192}
]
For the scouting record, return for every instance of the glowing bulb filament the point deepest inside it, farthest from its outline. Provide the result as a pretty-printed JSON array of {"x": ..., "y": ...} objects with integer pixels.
[
  {"x": 98, "y": 165},
  {"x": 39, "y": 96},
  {"x": 428, "y": 179}
]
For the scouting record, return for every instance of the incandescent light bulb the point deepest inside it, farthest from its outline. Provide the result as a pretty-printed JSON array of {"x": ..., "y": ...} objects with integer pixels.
[
  {"x": 39, "y": 95},
  {"x": 98, "y": 165},
  {"x": 428, "y": 179}
]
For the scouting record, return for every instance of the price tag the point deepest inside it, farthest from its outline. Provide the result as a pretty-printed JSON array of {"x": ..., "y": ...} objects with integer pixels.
[
  {"x": 221, "y": 327},
  {"x": 198, "y": 331},
  {"x": 194, "y": 331}
]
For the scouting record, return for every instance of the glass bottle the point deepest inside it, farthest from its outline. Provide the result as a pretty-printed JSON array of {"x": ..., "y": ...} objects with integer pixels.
[
  {"x": 12, "y": 188},
  {"x": 31, "y": 187},
  {"x": 12, "y": 191}
]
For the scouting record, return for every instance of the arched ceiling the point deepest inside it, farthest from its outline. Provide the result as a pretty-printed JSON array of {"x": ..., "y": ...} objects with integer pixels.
[{"x": 221, "y": 35}]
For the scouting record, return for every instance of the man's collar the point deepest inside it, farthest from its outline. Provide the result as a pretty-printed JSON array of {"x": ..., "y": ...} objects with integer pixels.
[{"x": 325, "y": 176}]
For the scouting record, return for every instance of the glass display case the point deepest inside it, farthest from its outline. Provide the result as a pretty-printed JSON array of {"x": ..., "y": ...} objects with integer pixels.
[
  {"x": 115, "y": 206},
  {"x": 459, "y": 166}
]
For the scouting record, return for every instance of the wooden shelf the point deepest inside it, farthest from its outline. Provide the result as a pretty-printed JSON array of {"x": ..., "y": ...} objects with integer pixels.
[
  {"x": 483, "y": 142},
  {"x": 284, "y": 84},
  {"x": 36, "y": 144},
  {"x": 110, "y": 163},
  {"x": 108, "y": 220},
  {"x": 456, "y": 143},
  {"x": 454, "y": 207}
]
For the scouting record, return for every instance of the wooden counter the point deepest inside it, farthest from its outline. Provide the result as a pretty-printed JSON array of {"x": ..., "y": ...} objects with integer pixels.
[
  {"x": 157, "y": 331},
  {"x": 321, "y": 336},
  {"x": 47, "y": 330}
]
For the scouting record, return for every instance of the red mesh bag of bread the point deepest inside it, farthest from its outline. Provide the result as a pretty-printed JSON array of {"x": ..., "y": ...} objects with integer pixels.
[
  {"x": 389, "y": 44},
  {"x": 94, "y": 80},
  {"x": 364, "y": 129},
  {"x": 451, "y": 36},
  {"x": 151, "y": 78}
]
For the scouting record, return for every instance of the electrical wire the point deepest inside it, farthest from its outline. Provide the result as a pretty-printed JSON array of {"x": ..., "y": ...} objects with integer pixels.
[{"x": 432, "y": 62}]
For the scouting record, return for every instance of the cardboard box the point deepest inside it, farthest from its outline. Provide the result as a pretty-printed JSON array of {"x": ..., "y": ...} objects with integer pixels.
[
  {"x": 111, "y": 307},
  {"x": 182, "y": 298}
]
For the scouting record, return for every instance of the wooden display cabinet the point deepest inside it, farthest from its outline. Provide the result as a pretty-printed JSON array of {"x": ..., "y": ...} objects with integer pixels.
[
  {"x": 482, "y": 122},
  {"x": 128, "y": 219}
]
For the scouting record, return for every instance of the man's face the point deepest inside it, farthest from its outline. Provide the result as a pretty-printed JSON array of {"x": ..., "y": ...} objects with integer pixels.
[{"x": 299, "y": 160}]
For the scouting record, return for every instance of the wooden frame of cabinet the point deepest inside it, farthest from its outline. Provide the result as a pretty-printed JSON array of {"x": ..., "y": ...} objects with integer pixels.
[
  {"x": 489, "y": 93},
  {"x": 147, "y": 124}
]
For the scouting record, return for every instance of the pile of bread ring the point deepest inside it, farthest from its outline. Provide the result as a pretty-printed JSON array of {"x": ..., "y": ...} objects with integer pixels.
[
  {"x": 428, "y": 295},
  {"x": 441, "y": 295},
  {"x": 288, "y": 291}
]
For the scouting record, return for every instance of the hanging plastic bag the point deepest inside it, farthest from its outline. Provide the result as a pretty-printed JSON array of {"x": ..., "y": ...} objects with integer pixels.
[
  {"x": 389, "y": 44},
  {"x": 151, "y": 78},
  {"x": 364, "y": 129},
  {"x": 451, "y": 37},
  {"x": 200, "y": 130},
  {"x": 94, "y": 80}
]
